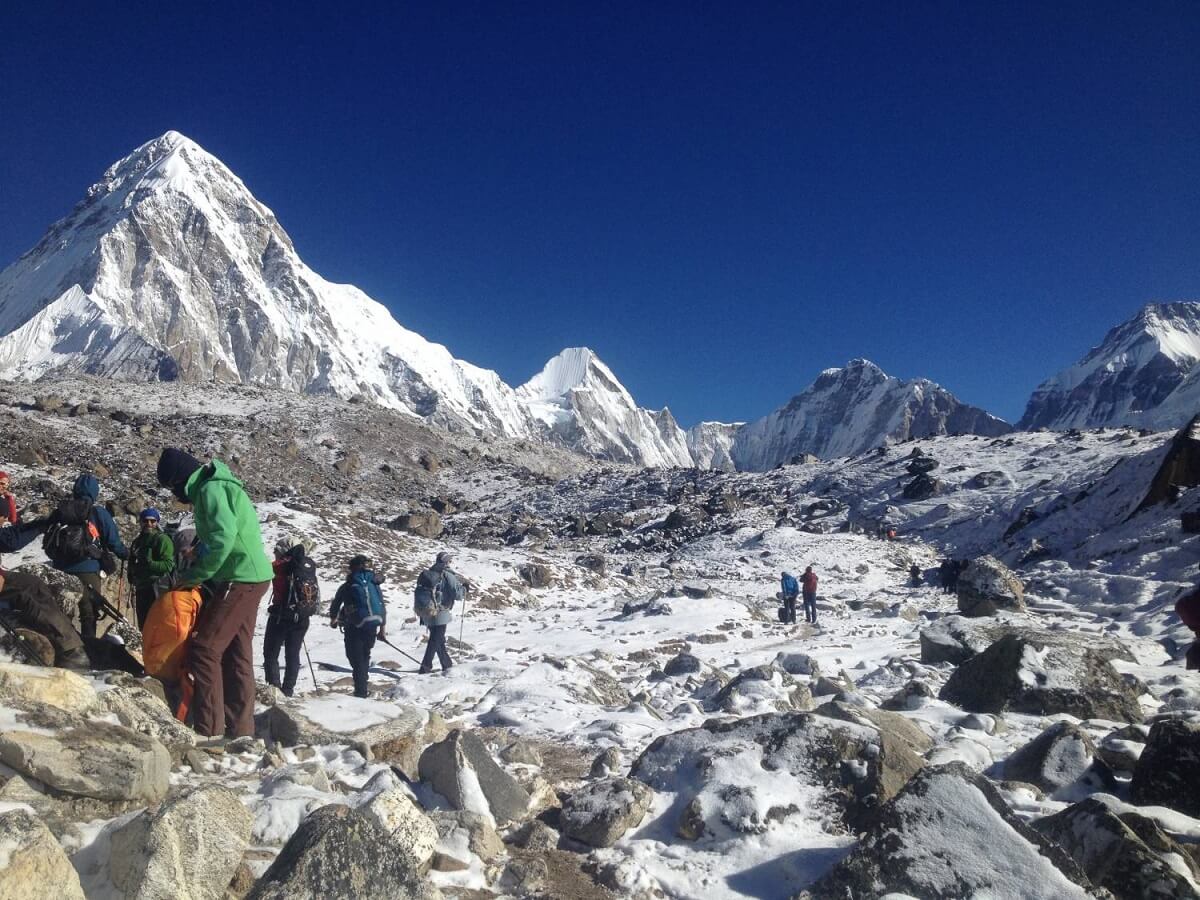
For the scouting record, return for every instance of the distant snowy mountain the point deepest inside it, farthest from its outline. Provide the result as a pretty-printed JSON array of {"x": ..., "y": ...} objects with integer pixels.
[
  {"x": 1145, "y": 374},
  {"x": 584, "y": 407},
  {"x": 849, "y": 410},
  {"x": 711, "y": 445}
]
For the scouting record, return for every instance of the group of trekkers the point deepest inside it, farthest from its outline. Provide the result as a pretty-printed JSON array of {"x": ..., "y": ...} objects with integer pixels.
[
  {"x": 195, "y": 593},
  {"x": 790, "y": 588}
]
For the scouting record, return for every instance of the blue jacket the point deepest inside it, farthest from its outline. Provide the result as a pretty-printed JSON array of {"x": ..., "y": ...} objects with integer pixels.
[{"x": 87, "y": 486}]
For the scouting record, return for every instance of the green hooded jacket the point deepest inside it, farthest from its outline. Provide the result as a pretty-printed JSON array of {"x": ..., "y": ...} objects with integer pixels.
[
  {"x": 227, "y": 523},
  {"x": 151, "y": 554}
]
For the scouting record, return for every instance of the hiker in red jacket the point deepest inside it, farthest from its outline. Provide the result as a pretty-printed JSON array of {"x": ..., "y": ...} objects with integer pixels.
[
  {"x": 1188, "y": 608},
  {"x": 808, "y": 586}
]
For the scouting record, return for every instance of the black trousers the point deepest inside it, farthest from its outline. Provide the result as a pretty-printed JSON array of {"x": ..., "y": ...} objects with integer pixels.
[
  {"x": 89, "y": 609},
  {"x": 290, "y": 637},
  {"x": 144, "y": 596},
  {"x": 789, "y": 608},
  {"x": 34, "y": 606},
  {"x": 437, "y": 644},
  {"x": 359, "y": 643}
]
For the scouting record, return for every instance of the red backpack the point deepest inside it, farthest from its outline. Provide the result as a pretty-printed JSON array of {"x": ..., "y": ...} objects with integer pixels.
[{"x": 1188, "y": 609}]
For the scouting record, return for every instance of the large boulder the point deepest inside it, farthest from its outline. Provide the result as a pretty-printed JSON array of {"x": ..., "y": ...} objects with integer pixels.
[
  {"x": 949, "y": 835},
  {"x": 1124, "y": 852},
  {"x": 923, "y": 486},
  {"x": 89, "y": 758},
  {"x": 187, "y": 849},
  {"x": 398, "y": 739},
  {"x": 461, "y": 770},
  {"x": 682, "y": 664},
  {"x": 22, "y": 685},
  {"x": 1056, "y": 759},
  {"x": 536, "y": 575},
  {"x": 33, "y": 865},
  {"x": 955, "y": 639},
  {"x": 426, "y": 524},
  {"x": 339, "y": 852},
  {"x": 139, "y": 709},
  {"x": 599, "y": 813},
  {"x": 851, "y": 767},
  {"x": 1166, "y": 771},
  {"x": 987, "y": 586},
  {"x": 412, "y": 832},
  {"x": 1023, "y": 675}
]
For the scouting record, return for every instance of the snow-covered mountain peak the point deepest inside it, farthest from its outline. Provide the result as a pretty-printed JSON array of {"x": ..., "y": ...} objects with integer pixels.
[
  {"x": 574, "y": 367},
  {"x": 1145, "y": 373}
]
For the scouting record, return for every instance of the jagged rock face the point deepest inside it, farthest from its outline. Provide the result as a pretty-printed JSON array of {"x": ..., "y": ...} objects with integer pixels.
[
  {"x": 1144, "y": 374},
  {"x": 711, "y": 445},
  {"x": 848, "y": 411}
]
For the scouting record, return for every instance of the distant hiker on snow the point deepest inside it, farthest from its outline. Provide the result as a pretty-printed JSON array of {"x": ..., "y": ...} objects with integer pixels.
[
  {"x": 808, "y": 583},
  {"x": 789, "y": 591},
  {"x": 914, "y": 575},
  {"x": 438, "y": 589},
  {"x": 295, "y": 597},
  {"x": 8, "y": 503},
  {"x": 80, "y": 538},
  {"x": 236, "y": 574},
  {"x": 151, "y": 556},
  {"x": 359, "y": 610}
]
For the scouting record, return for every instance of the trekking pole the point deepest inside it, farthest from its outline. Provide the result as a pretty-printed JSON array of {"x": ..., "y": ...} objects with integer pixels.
[
  {"x": 462, "y": 619},
  {"x": 312, "y": 671},
  {"x": 121, "y": 587},
  {"x": 19, "y": 642},
  {"x": 398, "y": 650}
]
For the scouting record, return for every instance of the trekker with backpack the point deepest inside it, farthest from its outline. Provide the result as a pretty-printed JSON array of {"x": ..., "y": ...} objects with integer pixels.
[
  {"x": 808, "y": 582},
  {"x": 295, "y": 597},
  {"x": 235, "y": 574},
  {"x": 359, "y": 610},
  {"x": 9, "y": 514},
  {"x": 789, "y": 589},
  {"x": 438, "y": 589},
  {"x": 151, "y": 556},
  {"x": 80, "y": 536}
]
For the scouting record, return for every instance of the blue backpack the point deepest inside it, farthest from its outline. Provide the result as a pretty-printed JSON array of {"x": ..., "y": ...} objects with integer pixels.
[
  {"x": 791, "y": 587},
  {"x": 368, "y": 598}
]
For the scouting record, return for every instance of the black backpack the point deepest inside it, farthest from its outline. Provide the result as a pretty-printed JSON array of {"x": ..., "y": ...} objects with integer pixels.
[
  {"x": 73, "y": 538},
  {"x": 304, "y": 593}
]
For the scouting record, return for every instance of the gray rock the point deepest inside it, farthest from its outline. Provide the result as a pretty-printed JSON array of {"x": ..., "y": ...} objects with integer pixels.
[
  {"x": 91, "y": 759},
  {"x": 948, "y": 834},
  {"x": 798, "y": 664},
  {"x": 426, "y": 524},
  {"x": 481, "y": 838},
  {"x": 1166, "y": 770},
  {"x": 986, "y": 586},
  {"x": 1022, "y": 675},
  {"x": 955, "y": 639},
  {"x": 139, "y": 709},
  {"x": 761, "y": 686},
  {"x": 187, "y": 849},
  {"x": 913, "y": 695},
  {"x": 696, "y": 589},
  {"x": 599, "y": 813},
  {"x": 593, "y": 562},
  {"x": 535, "y": 835},
  {"x": 22, "y": 686},
  {"x": 536, "y": 575},
  {"x": 461, "y": 770},
  {"x": 682, "y": 664},
  {"x": 339, "y": 852},
  {"x": 607, "y": 762},
  {"x": 1124, "y": 852},
  {"x": 1055, "y": 759},
  {"x": 521, "y": 753},
  {"x": 33, "y": 866},
  {"x": 413, "y": 834}
]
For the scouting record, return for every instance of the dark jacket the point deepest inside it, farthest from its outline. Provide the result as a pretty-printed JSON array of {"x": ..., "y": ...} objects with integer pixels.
[
  {"x": 345, "y": 602},
  {"x": 86, "y": 486}
]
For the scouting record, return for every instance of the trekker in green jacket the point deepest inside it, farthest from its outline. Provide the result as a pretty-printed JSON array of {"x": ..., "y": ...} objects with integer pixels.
[
  {"x": 151, "y": 555},
  {"x": 235, "y": 575}
]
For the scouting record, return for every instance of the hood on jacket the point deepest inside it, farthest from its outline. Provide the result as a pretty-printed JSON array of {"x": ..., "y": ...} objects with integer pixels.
[
  {"x": 175, "y": 467},
  {"x": 214, "y": 471},
  {"x": 86, "y": 487}
]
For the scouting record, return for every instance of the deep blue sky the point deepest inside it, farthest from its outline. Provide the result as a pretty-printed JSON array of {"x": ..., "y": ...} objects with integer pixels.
[{"x": 720, "y": 199}]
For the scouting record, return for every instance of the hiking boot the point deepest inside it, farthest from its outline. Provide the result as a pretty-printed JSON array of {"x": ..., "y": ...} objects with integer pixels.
[{"x": 424, "y": 670}]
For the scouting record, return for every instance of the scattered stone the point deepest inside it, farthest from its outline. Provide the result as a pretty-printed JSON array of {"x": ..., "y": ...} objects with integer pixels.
[
  {"x": 22, "y": 685},
  {"x": 607, "y": 762},
  {"x": 949, "y": 834},
  {"x": 600, "y": 813},
  {"x": 522, "y": 753},
  {"x": 593, "y": 562},
  {"x": 188, "y": 848},
  {"x": 461, "y": 770},
  {"x": 682, "y": 664},
  {"x": 535, "y": 835},
  {"x": 536, "y": 575},
  {"x": 1126, "y": 853},
  {"x": 339, "y": 852},
  {"x": 1020, "y": 675},
  {"x": 33, "y": 865},
  {"x": 913, "y": 695},
  {"x": 426, "y": 524},
  {"x": 762, "y": 686},
  {"x": 1165, "y": 772},
  {"x": 478, "y": 834},
  {"x": 955, "y": 639},
  {"x": 986, "y": 586},
  {"x": 922, "y": 487},
  {"x": 797, "y": 664}
]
